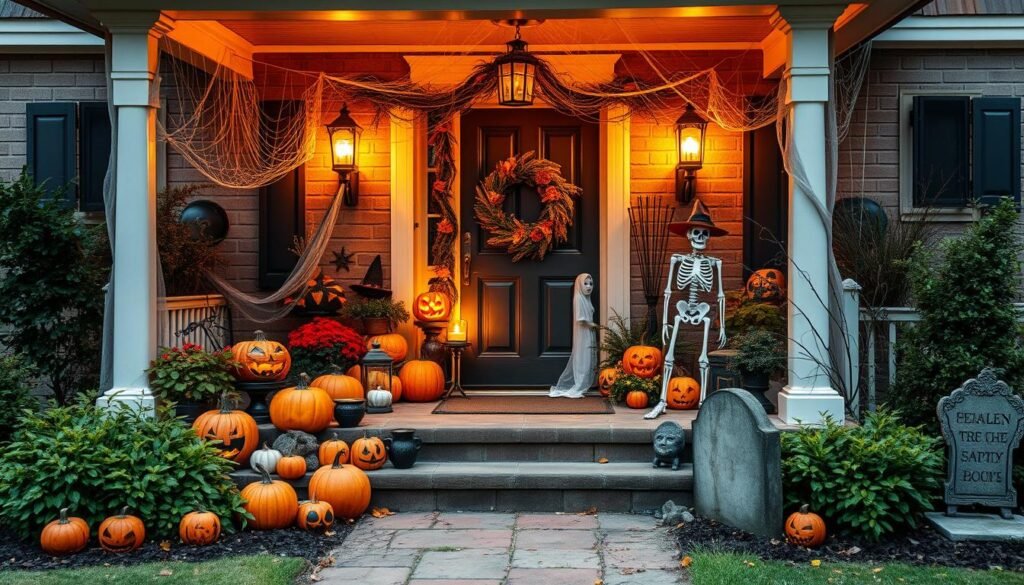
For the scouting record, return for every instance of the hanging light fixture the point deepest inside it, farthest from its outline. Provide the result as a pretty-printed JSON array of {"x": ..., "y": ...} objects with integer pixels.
[
  {"x": 690, "y": 131},
  {"x": 344, "y": 136},
  {"x": 517, "y": 70}
]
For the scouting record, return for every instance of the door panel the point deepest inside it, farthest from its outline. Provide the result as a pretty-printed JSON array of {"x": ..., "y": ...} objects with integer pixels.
[{"x": 521, "y": 313}]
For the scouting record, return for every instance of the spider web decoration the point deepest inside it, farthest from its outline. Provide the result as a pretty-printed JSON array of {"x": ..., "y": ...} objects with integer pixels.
[{"x": 342, "y": 260}]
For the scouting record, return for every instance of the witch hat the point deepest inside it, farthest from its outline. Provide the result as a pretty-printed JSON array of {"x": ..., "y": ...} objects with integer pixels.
[
  {"x": 372, "y": 286},
  {"x": 699, "y": 217}
]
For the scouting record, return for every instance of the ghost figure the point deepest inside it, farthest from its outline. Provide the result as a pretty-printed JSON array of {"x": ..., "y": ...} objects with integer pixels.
[{"x": 581, "y": 371}]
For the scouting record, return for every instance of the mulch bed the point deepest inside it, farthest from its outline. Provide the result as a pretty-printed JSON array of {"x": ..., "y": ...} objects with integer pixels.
[
  {"x": 922, "y": 546},
  {"x": 292, "y": 542}
]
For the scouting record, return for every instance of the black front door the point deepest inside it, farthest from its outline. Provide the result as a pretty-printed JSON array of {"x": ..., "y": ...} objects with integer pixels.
[{"x": 520, "y": 313}]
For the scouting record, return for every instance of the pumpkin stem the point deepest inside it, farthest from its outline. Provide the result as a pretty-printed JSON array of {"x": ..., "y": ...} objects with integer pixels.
[
  {"x": 258, "y": 335},
  {"x": 124, "y": 512},
  {"x": 303, "y": 381},
  {"x": 263, "y": 471},
  {"x": 337, "y": 459},
  {"x": 335, "y": 369},
  {"x": 804, "y": 509},
  {"x": 63, "y": 516},
  {"x": 224, "y": 409}
]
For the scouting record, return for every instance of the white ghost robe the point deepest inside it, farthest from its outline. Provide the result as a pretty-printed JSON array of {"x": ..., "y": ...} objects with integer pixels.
[{"x": 581, "y": 371}]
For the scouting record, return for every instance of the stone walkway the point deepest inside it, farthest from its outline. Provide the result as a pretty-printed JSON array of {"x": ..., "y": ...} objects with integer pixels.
[{"x": 450, "y": 548}]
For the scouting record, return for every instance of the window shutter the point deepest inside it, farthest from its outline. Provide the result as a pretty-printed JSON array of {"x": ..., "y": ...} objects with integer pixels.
[
  {"x": 996, "y": 149},
  {"x": 94, "y": 143},
  {"x": 941, "y": 150},
  {"x": 282, "y": 212},
  {"x": 50, "y": 147}
]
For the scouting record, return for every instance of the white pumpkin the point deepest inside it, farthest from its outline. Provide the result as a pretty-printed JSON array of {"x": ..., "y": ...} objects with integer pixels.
[
  {"x": 378, "y": 399},
  {"x": 266, "y": 457}
]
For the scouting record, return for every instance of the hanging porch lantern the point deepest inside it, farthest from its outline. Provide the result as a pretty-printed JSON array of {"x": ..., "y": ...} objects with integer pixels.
[
  {"x": 690, "y": 131},
  {"x": 344, "y": 136},
  {"x": 517, "y": 70}
]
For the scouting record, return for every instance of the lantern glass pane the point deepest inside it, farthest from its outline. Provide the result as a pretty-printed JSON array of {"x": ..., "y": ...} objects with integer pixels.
[
  {"x": 343, "y": 147},
  {"x": 505, "y": 85},
  {"x": 378, "y": 378},
  {"x": 690, "y": 145}
]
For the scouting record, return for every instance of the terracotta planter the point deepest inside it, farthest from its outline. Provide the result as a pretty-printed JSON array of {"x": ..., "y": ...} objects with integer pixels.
[{"x": 376, "y": 326}]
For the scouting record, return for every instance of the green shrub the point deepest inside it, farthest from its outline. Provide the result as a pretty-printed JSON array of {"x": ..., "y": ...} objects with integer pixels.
[
  {"x": 15, "y": 393},
  {"x": 393, "y": 311},
  {"x": 759, "y": 352},
  {"x": 95, "y": 461},
  {"x": 743, "y": 315},
  {"x": 620, "y": 335},
  {"x": 869, "y": 480},
  {"x": 626, "y": 383},
  {"x": 190, "y": 373},
  {"x": 966, "y": 299}
]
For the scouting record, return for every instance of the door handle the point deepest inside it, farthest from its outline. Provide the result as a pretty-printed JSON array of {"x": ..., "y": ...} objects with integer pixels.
[{"x": 467, "y": 257}]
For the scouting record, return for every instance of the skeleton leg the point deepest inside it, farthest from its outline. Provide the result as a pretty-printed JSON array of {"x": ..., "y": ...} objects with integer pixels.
[
  {"x": 703, "y": 362},
  {"x": 670, "y": 353}
]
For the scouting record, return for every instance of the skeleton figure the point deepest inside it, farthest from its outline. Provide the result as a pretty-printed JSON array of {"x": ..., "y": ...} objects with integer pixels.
[{"x": 692, "y": 274}]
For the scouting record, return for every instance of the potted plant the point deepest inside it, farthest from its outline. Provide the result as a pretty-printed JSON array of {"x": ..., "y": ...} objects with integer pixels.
[
  {"x": 759, "y": 355},
  {"x": 323, "y": 346},
  {"x": 191, "y": 378},
  {"x": 377, "y": 316}
]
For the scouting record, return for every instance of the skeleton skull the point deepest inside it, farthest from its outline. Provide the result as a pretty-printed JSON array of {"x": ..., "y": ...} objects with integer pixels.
[{"x": 698, "y": 237}]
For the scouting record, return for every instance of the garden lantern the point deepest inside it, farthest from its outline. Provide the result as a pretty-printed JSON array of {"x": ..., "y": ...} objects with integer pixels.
[
  {"x": 517, "y": 70},
  {"x": 344, "y": 136},
  {"x": 690, "y": 132},
  {"x": 457, "y": 331},
  {"x": 377, "y": 374}
]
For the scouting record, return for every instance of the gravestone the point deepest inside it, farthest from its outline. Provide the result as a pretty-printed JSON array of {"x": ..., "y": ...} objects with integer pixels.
[
  {"x": 982, "y": 425},
  {"x": 737, "y": 467}
]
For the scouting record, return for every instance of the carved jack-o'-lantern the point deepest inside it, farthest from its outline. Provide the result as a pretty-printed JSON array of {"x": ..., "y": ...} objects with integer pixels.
[
  {"x": 324, "y": 296},
  {"x": 368, "y": 453},
  {"x": 767, "y": 285},
  {"x": 683, "y": 393},
  {"x": 121, "y": 533},
  {"x": 606, "y": 379},
  {"x": 261, "y": 360},
  {"x": 432, "y": 306},
  {"x": 642, "y": 360},
  {"x": 805, "y": 528},
  {"x": 237, "y": 431},
  {"x": 315, "y": 515},
  {"x": 199, "y": 528}
]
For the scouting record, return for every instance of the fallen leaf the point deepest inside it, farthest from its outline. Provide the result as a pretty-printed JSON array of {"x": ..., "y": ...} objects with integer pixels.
[
  {"x": 628, "y": 571},
  {"x": 686, "y": 561},
  {"x": 816, "y": 563},
  {"x": 749, "y": 563},
  {"x": 165, "y": 545},
  {"x": 315, "y": 577},
  {"x": 381, "y": 512},
  {"x": 603, "y": 460},
  {"x": 876, "y": 570},
  {"x": 588, "y": 512},
  {"x": 598, "y": 582},
  {"x": 165, "y": 573},
  {"x": 330, "y": 533}
]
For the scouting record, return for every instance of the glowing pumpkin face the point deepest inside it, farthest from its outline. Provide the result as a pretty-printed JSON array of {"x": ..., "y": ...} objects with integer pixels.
[
  {"x": 683, "y": 393},
  {"x": 642, "y": 360},
  {"x": 767, "y": 285},
  {"x": 606, "y": 379},
  {"x": 368, "y": 453},
  {"x": 261, "y": 360},
  {"x": 432, "y": 306}
]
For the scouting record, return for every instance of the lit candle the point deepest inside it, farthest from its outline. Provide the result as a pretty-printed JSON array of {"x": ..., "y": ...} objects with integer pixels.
[{"x": 457, "y": 330}]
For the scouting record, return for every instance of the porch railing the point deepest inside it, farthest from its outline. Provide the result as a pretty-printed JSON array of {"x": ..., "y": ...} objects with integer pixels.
[{"x": 201, "y": 319}]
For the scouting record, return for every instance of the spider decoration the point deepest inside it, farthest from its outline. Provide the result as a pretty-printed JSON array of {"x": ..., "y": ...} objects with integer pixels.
[{"x": 342, "y": 260}]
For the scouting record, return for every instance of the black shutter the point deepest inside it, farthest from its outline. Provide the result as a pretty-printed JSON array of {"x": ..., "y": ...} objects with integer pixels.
[
  {"x": 94, "y": 143},
  {"x": 996, "y": 149},
  {"x": 941, "y": 150},
  {"x": 50, "y": 147},
  {"x": 765, "y": 202},
  {"x": 282, "y": 211}
]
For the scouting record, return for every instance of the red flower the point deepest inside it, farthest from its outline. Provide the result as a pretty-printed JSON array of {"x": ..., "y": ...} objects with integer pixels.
[
  {"x": 519, "y": 235},
  {"x": 440, "y": 186},
  {"x": 536, "y": 234},
  {"x": 550, "y": 194},
  {"x": 506, "y": 167},
  {"x": 445, "y": 226},
  {"x": 543, "y": 177},
  {"x": 321, "y": 333},
  {"x": 546, "y": 226}
]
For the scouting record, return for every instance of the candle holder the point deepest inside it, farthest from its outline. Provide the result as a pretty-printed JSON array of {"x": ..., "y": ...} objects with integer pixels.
[
  {"x": 456, "y": 348},
  {"x": 432, "y": 348}
]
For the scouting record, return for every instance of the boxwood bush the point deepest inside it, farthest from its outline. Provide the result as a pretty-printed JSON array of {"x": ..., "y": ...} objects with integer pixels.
[
  {"x": 95, "y": 461},
  {"x": 869, "y": 480}
]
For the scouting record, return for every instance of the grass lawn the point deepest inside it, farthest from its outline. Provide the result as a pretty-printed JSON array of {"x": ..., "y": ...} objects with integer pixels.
[
  {"x": 729, "y": 569},
  {"x": 258, "y": 570}
]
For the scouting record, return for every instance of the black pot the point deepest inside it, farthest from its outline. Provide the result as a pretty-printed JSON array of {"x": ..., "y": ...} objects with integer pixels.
[
  {"x": 403, "y": 447},
  {"x": 758, "y": 384},
  {"x": 259, "y": 394},
  {"x": 191, "y": 410},
  {"x": 349, "y": 411}
]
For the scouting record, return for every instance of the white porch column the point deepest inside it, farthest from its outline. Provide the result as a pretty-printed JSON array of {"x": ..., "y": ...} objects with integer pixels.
[
  {"x": 133, "y": 67},
  {"x": 809, "y": 57}
]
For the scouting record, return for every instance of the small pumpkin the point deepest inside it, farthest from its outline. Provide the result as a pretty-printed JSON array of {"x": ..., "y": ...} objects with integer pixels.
[
  {"x": 315, "y": 515},
  {"x": 767, "y": 285},
  {"x": 345, "y": 487},
  {"x": 432, "y": 306},
  {"x": 340, "y": 386},
  {"x": 422, "y": 381},
  {"x": 302, "y": 408},
  {"x": 266, "y": 457},
  {"x": 236, "y": 430},
  {"x": 396, "y": 383},
  {"x": 199, "y": 528},
  {"x": 122, "y": 533},
  {"x": 330, "y": 448},
  {"x": 606, "y": 379},
  {"x": 683, "y": 393},
  {"x": 643, "y": 361},
  {"x": 369, "y": 453},
  {"x": 393, "y": 344},
  {"x": 65, "y": 535},
  {"x": 272, "y": 503},
  {"x": 261, "y": 360},
  {"x": 291, "y": 467},
  {"x": 636, "y": 399},
  {"x": 805, "y": 528}
]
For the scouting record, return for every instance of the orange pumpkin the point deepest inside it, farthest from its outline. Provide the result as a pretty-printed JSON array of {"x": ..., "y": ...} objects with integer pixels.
[
  {"x": 199, "y": 528},
  {"x": 636, "y": 399},
  {"x": 272, "y": 503},
  {"x": 393, "y": 344},
  {"x": 122, "y": 533},
  {"x": 65, "y": 535},
  {"x": 369, "y": 453},
  {"x": 767, "y": 285},
  {"x": 315, "y": 516},
  {"x": 339, "y": 386},
  {"x": 606, "y": 379},
  {"x": 330, "y": 448},
  {"x": 422, "y": 381},
  {"x": 432, "y": 306},
  {"x": 237, "y": 431},
  {"x": 683, "y": 393},
  {"x": 291, "y": 467},
  {"x": 302, "y": 408},
  {"x": 643, "y": 361},
  {"x": 261, "y": 360},
  {"x": 345, "y": 487},
  {"x": 805, "y": 528}
]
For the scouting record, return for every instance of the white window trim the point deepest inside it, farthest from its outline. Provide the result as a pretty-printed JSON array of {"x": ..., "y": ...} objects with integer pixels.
[{"x": 908, "y": 212}]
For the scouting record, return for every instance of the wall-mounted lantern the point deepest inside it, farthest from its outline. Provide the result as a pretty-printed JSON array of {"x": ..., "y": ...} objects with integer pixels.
[
  {"x": 517, "y": 70},
  {"x": 344, "y": 135},
  {"x": 690, "y": 131}
]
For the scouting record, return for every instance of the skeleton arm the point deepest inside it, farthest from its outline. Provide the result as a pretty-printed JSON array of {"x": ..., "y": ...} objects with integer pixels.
[
  {"x": 722, "y": 339},
  {"x": 665, "y": 327}
]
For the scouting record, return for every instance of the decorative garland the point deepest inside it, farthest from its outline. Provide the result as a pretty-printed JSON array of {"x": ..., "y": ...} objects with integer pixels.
[
  {"x": 442, "y": 139},
  {"x": 525, "y": 239}
]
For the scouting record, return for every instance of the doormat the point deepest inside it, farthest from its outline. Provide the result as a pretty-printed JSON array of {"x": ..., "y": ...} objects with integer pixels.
[{"x": 533, "y": 404}]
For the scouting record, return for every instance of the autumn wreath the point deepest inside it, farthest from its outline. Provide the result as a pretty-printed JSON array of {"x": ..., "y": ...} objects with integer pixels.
[{"x": 525, "y": 239}]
